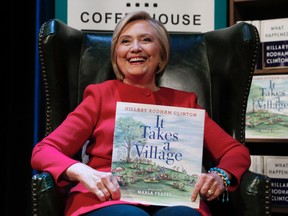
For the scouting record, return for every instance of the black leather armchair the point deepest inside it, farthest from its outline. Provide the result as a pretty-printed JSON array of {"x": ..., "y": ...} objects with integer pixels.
[{"x": 217, "y": 65}]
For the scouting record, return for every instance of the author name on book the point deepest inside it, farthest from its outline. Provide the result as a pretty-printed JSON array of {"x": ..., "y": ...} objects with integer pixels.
[{"x": 161, "y": 111}]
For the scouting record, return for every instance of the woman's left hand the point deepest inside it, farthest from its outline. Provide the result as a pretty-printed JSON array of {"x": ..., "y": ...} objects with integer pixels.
[{"x": 209, "y": 186}]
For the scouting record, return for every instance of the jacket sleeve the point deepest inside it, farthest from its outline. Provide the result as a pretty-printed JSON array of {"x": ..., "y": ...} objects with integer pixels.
[{"x": 54, "y": 152}]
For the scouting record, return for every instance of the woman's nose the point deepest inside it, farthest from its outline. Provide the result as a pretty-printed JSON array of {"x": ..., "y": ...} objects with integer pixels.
[{"x": 136, "y": 47}]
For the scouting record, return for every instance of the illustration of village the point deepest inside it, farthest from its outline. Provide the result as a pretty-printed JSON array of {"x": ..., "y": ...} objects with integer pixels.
[{"x": 144, "y": 173}]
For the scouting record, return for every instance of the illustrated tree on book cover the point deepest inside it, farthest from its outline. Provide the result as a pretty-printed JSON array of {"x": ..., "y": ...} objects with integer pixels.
[{"x": 128, "y": 134}]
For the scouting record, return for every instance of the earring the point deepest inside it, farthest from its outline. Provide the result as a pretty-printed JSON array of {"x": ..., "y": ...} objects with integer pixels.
[{"x": 159, "y": 65}]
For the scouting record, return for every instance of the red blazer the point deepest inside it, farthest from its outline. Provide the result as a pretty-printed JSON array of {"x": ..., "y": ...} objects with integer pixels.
[{"x": 94, "y": 120}]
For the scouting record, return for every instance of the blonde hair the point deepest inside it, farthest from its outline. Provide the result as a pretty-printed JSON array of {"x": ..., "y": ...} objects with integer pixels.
[{"x": 160, "y": 32}]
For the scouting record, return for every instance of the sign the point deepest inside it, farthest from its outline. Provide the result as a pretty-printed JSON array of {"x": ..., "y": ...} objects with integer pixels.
[{"x": 177, "y": 16}]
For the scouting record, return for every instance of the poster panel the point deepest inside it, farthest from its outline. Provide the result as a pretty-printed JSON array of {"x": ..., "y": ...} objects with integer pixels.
[{"x": 177, "y": 16}]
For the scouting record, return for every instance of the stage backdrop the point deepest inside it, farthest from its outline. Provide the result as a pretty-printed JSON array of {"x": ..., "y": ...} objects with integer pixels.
[{"x": 177, "y": 16}]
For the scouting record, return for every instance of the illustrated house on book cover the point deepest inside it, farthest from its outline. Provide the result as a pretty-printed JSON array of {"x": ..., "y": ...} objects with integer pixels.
[{"x": 157, "y": 154}]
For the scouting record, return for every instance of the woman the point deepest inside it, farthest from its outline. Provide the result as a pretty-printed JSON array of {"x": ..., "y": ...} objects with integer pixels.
[{"x": 140, "y": 52}]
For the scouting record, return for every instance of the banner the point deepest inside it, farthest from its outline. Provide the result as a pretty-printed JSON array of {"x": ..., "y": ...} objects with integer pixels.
[{"x": 177, "y": 16}]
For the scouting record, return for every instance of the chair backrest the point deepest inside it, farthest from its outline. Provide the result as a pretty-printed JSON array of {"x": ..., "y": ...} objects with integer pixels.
[{"x": 217, "y": 65}]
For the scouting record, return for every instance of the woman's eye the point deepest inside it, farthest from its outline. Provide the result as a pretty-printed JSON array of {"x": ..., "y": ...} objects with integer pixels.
[
  {"x": 147, "y": 39},
  {"x": 123, "y": 41}
]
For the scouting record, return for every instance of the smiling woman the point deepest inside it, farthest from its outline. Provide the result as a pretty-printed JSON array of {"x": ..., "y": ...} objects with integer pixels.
[{"x": 140, "y": 53}]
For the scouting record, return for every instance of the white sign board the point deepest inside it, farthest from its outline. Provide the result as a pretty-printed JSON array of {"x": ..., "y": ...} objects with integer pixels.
[
  {"x": 276, "y": 166},
  {"x": 177, "y": 16}
]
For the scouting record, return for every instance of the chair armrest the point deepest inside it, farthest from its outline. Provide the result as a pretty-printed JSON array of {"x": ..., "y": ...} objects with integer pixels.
[
  {"x": 254, "y": 190},
  {"x": 47, "y": 198}
]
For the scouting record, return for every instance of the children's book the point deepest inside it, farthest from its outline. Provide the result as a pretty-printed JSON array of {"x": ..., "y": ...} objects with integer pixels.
[
  {"x": 157, "y": 153},
  {"x": 267, "y": 108}
]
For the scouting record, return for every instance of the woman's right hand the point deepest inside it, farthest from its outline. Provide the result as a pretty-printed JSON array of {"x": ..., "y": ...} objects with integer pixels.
[{"x": 103, "y": 184}]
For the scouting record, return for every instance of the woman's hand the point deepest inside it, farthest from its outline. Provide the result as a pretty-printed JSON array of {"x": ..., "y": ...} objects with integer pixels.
[
  {"x": 209, "y": 186},
  {"x": 103, "y": 184}
]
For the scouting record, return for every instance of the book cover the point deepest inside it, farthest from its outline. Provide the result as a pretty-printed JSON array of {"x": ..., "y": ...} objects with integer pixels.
[
  {"x": 257, "y": 164},
  {"x": 157, "y": 153},
  {"x": 267, "y": 107},
  {"x": 274, "y": 37},
  {"x": 276, "y": 167}
]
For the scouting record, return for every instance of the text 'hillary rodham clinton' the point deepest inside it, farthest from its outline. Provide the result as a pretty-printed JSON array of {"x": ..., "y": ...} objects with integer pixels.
[{"x": 161, "y": 111}]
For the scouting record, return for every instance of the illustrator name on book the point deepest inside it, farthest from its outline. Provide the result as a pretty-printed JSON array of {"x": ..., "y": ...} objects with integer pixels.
[{"x": 154, "y": 193}]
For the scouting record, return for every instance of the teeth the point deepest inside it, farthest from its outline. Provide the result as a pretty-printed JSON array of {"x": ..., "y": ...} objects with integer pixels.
[{"x": 136, "y": 59}]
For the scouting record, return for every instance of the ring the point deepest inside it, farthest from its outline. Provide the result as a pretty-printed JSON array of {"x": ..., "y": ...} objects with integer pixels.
[{"x": 210, "y": 193}]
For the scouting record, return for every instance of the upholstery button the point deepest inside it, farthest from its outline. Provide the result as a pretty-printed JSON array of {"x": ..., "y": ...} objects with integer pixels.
[{"x": 147, "y": 94}]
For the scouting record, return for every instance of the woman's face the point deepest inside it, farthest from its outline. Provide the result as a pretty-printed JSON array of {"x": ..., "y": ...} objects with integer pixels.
[{"x": 138, "y": 52}]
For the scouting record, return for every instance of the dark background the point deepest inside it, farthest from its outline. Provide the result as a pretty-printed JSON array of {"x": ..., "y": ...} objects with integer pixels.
[{"x": 18, "y": 115}]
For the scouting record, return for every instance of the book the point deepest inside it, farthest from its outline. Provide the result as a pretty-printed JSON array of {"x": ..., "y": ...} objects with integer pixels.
[
  {"x": 157, "y": 153},
  {"x": 257, "y": 164},
  {"x": 267, "y": 107},
  {"x": 276, "y": 167},
  {"x": 274, "y": 38}
]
